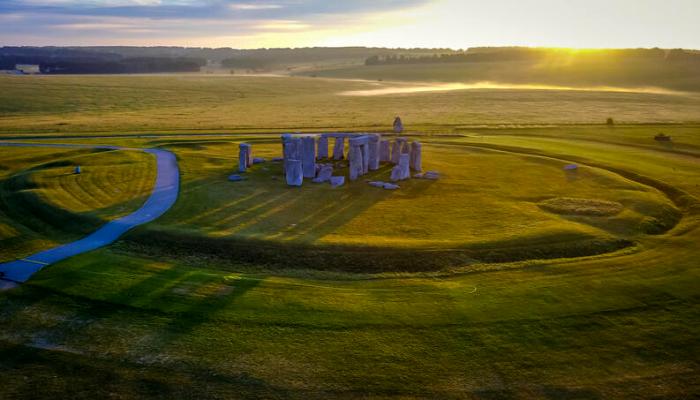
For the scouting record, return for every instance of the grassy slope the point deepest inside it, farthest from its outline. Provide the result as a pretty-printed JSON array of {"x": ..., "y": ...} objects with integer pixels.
[
  {"x": 119, "y": 324},
  {"x": 43, "y": 203},
  {"x": 98, "y": 104}
]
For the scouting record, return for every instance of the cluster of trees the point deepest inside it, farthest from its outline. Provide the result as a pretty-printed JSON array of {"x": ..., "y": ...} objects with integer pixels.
[
  {"x": 509, "y": 54},
  {"x": 57, "y": 60}
]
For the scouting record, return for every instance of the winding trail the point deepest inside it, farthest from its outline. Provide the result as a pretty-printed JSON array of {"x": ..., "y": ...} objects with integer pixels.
[{"x": 163, "y": 196}]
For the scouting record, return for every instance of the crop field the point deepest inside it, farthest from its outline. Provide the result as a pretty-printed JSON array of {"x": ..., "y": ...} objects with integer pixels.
[{"x": 509, "y": 277}]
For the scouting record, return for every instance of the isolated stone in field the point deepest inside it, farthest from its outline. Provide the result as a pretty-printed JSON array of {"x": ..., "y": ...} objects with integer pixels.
[
  {"x": 398, "y": 125},
  {"x": 258, "y": 160},
  {"x": 416, "y": 156},
  {"x": 384, "y": 151},
  {"x": 374, "y": 152},
  {"x": 308, "y": 158},
  {"x": 337, "y": 181},
  {"x": 339, "y": 148},
  {"x": 355, "y": 158},
  {"x": 77, "y": 170},
  {"x": 294, "y": 173},
  {"x": 243, "y": 157},
  {"x": 570, "y": 167},
  {"x": 235, "y": 178},
  {"x": 324, "y": 174},
  {"x": 402, "y": 170},
  {"x": 322, "y": 147}
]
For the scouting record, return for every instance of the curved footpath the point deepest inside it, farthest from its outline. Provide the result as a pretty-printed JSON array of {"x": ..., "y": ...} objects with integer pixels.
[{"x": 162, "y": 197}]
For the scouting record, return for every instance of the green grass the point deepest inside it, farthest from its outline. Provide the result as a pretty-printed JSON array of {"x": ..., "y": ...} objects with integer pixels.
[
  {"x": 171, "y": 104},
  {"x": 135, "y": 320},
  {"x": 43, "y": 203}
]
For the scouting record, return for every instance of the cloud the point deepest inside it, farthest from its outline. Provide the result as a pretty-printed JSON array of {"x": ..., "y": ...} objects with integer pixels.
[{"x": 252, "y": 6}]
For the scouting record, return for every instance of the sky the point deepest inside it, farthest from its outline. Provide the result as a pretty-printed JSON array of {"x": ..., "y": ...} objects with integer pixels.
[{"x": 455, "y": 24}]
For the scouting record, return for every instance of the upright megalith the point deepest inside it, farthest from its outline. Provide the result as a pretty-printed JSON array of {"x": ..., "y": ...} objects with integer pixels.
[
  {"x": 322, "y": 152},
  {"x": 308, "y": 156},
  {"x": 416, "y": 156},
  {"x": 286, "y": 138},
  {"x": 402, "y": 170},
  {"x": 365, "y": 157},
  {"x": 374, "y": 152},
  {"x": 384, "y": 151},
  {"x": 406, "y": 147},
  {"x": 244, "y": 157},
  {"x": 339, "y": 148},
  {"x": 356, "y": 162},
  {"x": 294, "y": 173},
  {"x": 397, "y": 149}
]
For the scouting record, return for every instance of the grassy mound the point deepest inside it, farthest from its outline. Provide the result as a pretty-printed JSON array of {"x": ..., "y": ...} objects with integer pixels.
[
  {"x": 574, "y": 206},
  {"x": 472, "y": 214},
  {"x": 42, "y": 202}
]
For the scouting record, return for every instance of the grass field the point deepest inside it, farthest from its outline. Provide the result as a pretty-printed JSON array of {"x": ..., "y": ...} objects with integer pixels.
[
  {"x": 189, "y": 306},
  {"x": 225, "y": 104},
  {"x": 42, "y": 202}
]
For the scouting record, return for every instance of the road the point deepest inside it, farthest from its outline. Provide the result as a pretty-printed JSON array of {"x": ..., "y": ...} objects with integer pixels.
[{"x": 163, "y": 196}]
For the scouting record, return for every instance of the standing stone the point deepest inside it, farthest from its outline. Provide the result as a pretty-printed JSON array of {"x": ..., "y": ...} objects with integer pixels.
[
  {"x": 384, "y": 151},
  {"x": 308, "y": 156},
  {"x": 244, "y": 159},
  {"x": 339, "y": 148},
  {"x": 295, "y": 176},
  {"x": 365, "y": 158},
  {"x": 402, "y": 170},
  {"x": 396, "y": 150},
  {"x": 416, "y": 156},
  {"x": 406, "y": 148},
  {"x": 286, "y": 138},
  {"x": 355, "y": 158},
  {"x": 322, "y": 147},
  {"x": 373, "y": 152},
  {"x": 324, "y": 174},
  {"x": 398, "y": 125}
]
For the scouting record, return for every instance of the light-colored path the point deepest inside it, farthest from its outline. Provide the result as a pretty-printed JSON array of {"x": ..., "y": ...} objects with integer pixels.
[{"x": 163, "y": 197}]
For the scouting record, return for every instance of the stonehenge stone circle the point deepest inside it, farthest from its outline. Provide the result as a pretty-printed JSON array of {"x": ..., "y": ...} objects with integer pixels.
[{"x": 366, "y": 153}]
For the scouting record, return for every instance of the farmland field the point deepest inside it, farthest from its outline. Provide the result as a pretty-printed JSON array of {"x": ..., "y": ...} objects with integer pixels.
[{"x": 509, "y": 277}]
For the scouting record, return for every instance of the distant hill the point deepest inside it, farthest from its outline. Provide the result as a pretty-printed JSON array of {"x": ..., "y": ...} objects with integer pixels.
[{"x": 126, "y": 59}]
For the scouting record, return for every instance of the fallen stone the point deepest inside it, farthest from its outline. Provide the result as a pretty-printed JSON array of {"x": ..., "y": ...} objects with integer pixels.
[
  {"x": 236, "y": 178},
  {"x": 378, "y": 184},
  {"x": 258, "y": 160},
  {"x": 337, "y": 181},
  {"x": 391, "y": 186},
  {"x": 277, "y": 159},
  {"x": 324, "y": 174}
]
